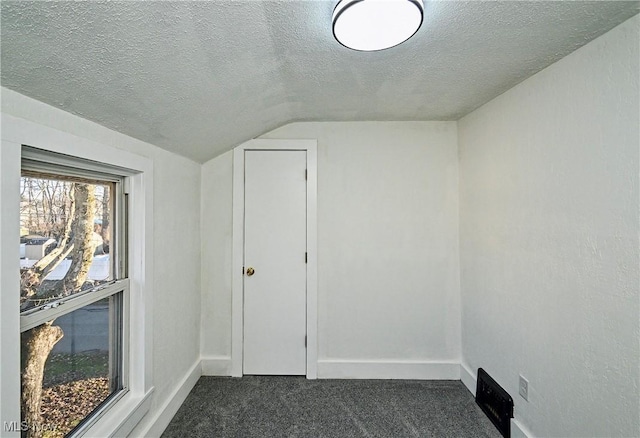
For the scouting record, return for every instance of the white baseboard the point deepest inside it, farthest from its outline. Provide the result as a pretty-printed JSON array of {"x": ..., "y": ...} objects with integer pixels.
[
  {"x": 364, "y": 369},
  {"x": 519, "y": 431},
  {"x": 468, "y": 378},
  {"x": 216, "y": 366},
  {"x": 166, "y": 412}
]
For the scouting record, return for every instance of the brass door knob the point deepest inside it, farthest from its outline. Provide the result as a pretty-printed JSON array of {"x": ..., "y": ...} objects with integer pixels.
[{"x": 250, "y": 272}]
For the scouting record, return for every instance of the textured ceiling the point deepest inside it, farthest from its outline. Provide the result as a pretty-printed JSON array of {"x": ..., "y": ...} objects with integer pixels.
[{"x": 198, "y": 78}]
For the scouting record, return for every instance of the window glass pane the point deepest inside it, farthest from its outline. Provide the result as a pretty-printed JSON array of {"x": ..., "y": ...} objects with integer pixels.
[
  {"x": 81, "y": 355},
  {"x": 65, "y": 237}
]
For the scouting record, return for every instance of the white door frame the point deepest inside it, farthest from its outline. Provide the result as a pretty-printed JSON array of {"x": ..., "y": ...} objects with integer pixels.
[{"x": 237, "y": 276}]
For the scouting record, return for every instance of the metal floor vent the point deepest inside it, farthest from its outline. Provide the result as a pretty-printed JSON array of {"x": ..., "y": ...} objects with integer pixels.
[{"x": 495, "y": 402}]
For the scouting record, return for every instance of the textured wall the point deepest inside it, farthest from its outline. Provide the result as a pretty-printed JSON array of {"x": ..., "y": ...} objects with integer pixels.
[
  {"x": 387, "y": 241},
  {"x": 549, "y": 240}
]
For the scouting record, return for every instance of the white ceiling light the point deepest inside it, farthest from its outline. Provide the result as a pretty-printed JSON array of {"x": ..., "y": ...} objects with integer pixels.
[{"x": 370, "y": 25}]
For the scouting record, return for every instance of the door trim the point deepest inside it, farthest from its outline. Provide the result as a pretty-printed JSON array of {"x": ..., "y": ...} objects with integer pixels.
[{"x": 237, "y": 275}]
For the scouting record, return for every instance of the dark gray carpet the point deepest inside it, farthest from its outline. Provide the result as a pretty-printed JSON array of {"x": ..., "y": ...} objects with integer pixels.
[{"x": 272, "y": 406}]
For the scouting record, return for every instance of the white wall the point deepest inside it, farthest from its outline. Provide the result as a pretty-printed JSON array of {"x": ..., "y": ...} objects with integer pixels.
[
  {"x": 549, "y": 240},
  {"x": 176, "y": 255},
  {"x": 388, "y": 292},
  {"x": 216, "y": 226}
]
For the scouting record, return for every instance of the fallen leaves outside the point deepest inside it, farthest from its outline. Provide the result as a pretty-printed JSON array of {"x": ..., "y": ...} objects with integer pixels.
[{"x": 66, "y": 405}]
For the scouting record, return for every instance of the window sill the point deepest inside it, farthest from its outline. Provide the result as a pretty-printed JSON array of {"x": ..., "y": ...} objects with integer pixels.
[{"x": 123, "y": 417}]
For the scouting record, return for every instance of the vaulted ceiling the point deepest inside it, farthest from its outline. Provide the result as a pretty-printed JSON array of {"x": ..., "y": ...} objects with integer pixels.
[{"x": 198, "y": 78}]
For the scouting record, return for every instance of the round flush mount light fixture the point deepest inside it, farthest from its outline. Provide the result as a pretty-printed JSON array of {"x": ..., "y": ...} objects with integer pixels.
[{"x": 370, "y": 25}]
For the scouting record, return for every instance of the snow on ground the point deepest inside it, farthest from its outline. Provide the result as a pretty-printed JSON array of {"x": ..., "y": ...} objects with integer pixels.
[{"x": 98, "y": 271}]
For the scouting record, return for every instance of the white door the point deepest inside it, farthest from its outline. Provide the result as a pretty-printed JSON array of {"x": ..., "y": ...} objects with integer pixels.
[{"x": 275, "y": 262}]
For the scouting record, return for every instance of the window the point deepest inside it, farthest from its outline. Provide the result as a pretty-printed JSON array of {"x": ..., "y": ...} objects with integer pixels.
[{"x": 74, "y": 293}]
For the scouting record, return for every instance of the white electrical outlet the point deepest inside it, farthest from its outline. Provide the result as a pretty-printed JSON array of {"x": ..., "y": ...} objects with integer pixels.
[{"x": 524, "y": 388}]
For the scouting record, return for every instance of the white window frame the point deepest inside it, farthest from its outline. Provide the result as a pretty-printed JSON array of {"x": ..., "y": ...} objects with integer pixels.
[
  {"x": 125, "y": 414},
  {"x": 51, "y": 164}
]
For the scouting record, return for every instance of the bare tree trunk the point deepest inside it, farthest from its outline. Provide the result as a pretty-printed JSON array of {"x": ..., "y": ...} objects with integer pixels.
[
  {"x": 83, "y": 242},
  {"x": 105, "y": 231},
  {"x": 37, "y": 343}
]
